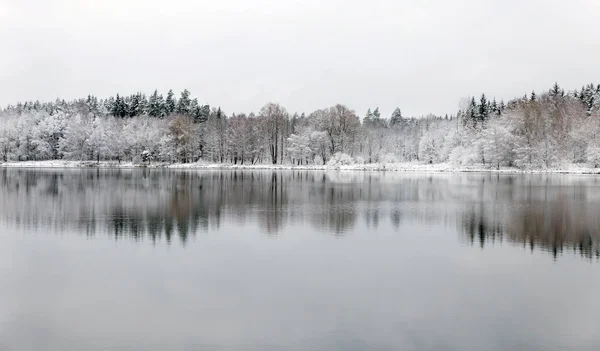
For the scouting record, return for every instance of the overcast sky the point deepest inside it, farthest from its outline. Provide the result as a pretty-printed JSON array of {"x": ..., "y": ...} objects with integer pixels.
[{"x": 422, "y": 56}]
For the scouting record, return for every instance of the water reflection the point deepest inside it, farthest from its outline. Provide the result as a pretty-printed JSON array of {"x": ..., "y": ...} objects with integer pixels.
[{"x": 551, "y": 212}]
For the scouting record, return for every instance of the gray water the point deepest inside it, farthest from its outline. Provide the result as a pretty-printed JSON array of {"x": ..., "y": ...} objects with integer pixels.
[{"x": 261, "y": 260}]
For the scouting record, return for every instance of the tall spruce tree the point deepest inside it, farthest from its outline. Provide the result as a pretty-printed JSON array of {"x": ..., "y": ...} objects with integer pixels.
[
  {"x": 120, "y": 107},
  {"x": 556, "y": 91},
  {"x": 170, "y": 103},
  {"x": 396, "y": 117},
  {"x": 91, "y": 103},
  {"x": 473, "y": 111},
  {"x": 134, "y": 105},
  {"x": 376, "y": 113},
  {"x": 156, "y": 105},
  {"x": 143, "y": 104},
  {"x": 483, "y": 108},
  {"x": 201, "y": 114},
  {"x": 184, "y": 103},
  {"x": 494, "y": 107},
  {"x": 368, "y": 117}
]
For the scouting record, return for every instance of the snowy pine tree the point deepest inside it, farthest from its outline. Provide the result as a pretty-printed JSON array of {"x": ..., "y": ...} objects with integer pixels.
[
  {"x": 91, "y": 103},
  {"x": 184, "y": 103},
  {"x": 556, "y": 91},
  {"x": 170, "y": 103},
  {"x": 494, "y": 107},
  {"x": 483, "y": 112},
  {"x": 119, "y": 107},
  {"x": 156, "y": 106},
  {"x": 473, "y": 112},
  {"x": 368, "y": 117},
  {"x": 376, "y": 113},
  {"x": 134, "y": 105},
  {"x": 201, "y": 113},
  {"x": 396, "y": 117}
]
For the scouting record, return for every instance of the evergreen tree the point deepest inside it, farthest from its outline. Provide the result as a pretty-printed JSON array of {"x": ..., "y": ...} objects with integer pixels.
[
  {"x": 134, "y": 105},
  {"x": 184, "y": 103},
  {"x": 194, "y": 107},
  {"x": 127, "y": 106},
  {"x": 91, "y": 103},
  {"x": 533, "y": 97},
  {"x": 201, "y": 114},
  {"x": 156, "y": 105},
  {"x": 376, "y": 113},
  {"x": 368, "y": 117},
  {"x": 589, "y": 97},
  {"x": 473, "y": 111},
  {"x": 494, "y": 107},
  {"x": 118, "y": 107},
  {"x": 396, "y": 117},
  {"x": 143, "y": 104},
  {"x": 109, "y": 106},
  {"x": 483, "y": 108},
  {"x": 556, "y": 90},
  {"x": 123, "y": 107},
  {"x": 170, "y": 103}
]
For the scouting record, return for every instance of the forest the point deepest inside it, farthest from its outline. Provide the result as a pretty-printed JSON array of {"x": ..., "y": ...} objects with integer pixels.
[{"x": 542, "y": 130}]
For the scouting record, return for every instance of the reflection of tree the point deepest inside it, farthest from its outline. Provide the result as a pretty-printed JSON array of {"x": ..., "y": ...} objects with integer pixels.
[
  {"x": 551, "y": 213},
  {"x": 555, "y": 221},
  {"x": 556, "y": 225},
  {"x": 479, "y": 229},
  {"x": 396, "y": 218},
  {"x": 372, "y": 217},
  {"x": 272, "y": 213}
]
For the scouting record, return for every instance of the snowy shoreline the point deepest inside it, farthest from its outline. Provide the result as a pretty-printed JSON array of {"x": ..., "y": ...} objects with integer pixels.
[{"x": 392, "y": 167}]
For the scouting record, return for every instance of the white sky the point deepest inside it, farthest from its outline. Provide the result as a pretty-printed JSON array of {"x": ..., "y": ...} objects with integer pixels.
[{"x": 422, "y": 56}]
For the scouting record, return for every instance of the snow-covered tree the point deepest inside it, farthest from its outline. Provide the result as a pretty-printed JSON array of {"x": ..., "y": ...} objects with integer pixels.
[
  {"x": 74, "y": 143},
  {"x": 170, "y": 103},
  {"x": 396, "y": 118},
  {"x": 273, "y": 118},
  {"x": 184, "y": 103},
  {"x": 498, "y": 144},
  {"x": 156, "y": 106}
]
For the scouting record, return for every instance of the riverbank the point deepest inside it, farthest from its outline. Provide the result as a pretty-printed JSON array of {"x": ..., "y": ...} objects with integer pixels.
[{"x": 395, "y": 167}]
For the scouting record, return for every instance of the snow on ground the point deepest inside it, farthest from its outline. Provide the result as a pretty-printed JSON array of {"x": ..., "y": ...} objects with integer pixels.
[
  {"x": 65, "y": 164},
  {"x": 399, "y": 167}
]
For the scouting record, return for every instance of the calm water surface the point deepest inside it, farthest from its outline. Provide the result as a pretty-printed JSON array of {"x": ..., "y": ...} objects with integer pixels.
[{"x": 262, "y": 260}]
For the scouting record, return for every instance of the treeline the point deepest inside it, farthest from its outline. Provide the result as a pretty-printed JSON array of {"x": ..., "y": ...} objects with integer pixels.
[
  {"x": 545, "y": 130},
  {"x": 122, "y": 106}
]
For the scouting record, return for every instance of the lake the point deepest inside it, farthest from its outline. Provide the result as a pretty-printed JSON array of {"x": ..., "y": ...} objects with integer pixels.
[{"x": 139, "y": 259}]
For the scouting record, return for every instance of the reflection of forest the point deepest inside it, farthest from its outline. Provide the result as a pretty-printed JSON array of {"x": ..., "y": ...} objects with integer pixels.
[
  {"x": 552, "y": 212},
  {"x": 156, "y": 203}
]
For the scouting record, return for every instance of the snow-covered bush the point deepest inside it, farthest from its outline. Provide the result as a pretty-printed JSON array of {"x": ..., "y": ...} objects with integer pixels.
[
  {"x": 456, "y": 156},
  {"x": 466, "y": 156},
  {"x": 593, "y": 156},
  {"x": 388, "y": 158},
  {"x": 318, "y": 160},
  {"x": 340, "y": 159}
]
